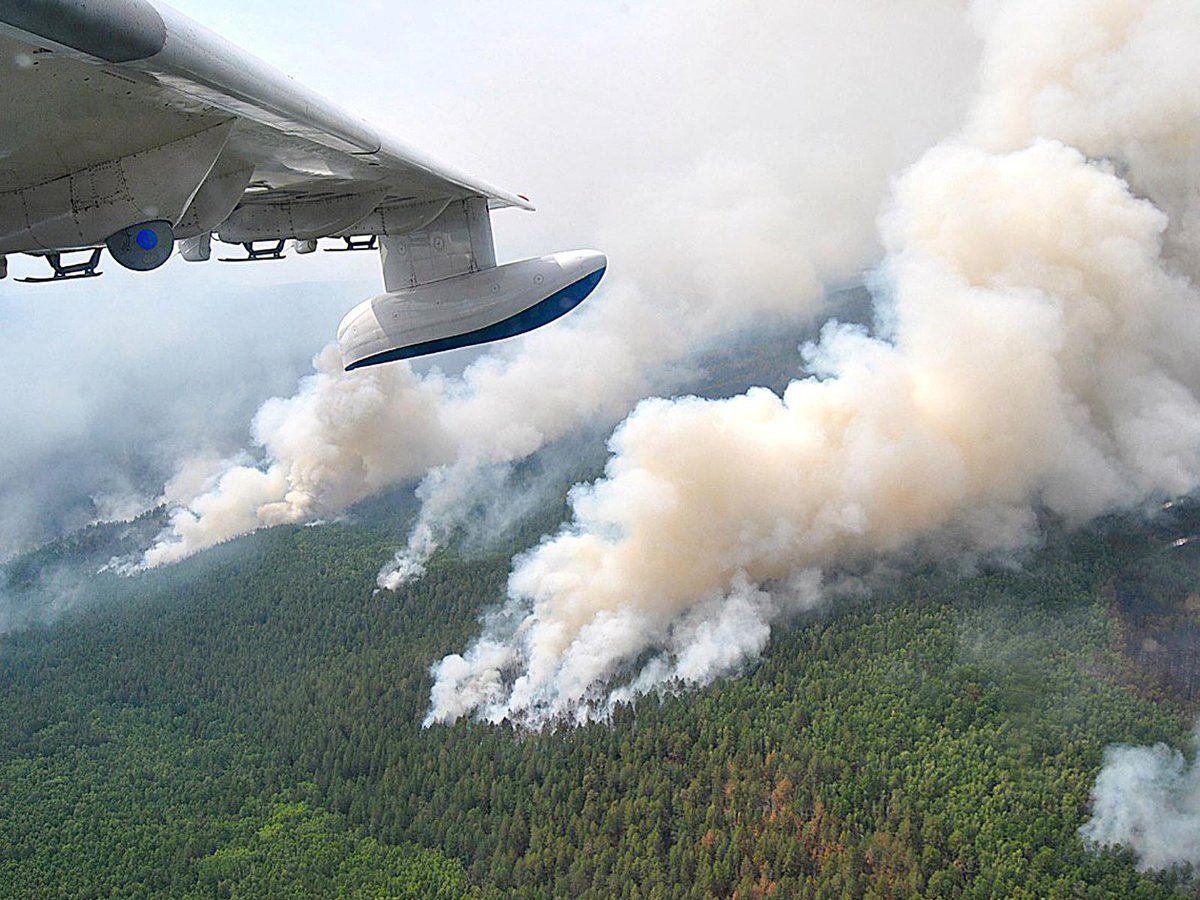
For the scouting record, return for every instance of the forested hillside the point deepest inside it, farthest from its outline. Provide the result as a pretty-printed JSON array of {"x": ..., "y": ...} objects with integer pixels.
[{"x": 248, "y": 723}]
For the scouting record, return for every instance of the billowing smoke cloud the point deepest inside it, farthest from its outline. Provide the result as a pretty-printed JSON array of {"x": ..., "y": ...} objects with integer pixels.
[
  {"x": 1147, "y": 799},
  {"x": 1038, "y": 343},
  {"x": 336, "y": 441},
  {"x": 710, "y": 637},
  {"x": 1113, "y": 79},
  {"x": 727, "y": 195}
]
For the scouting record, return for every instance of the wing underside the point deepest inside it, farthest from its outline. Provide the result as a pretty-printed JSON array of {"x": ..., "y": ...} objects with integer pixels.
[{"x": 81, "y": 111}]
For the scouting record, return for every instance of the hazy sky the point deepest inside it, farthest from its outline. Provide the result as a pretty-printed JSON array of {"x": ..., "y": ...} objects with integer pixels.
[
  {"x": 103, "y": 379},
  {"x": 641, "y": 128}
]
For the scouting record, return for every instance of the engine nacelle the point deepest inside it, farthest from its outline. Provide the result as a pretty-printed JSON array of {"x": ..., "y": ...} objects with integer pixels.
[{"x": 474, "y": 308}]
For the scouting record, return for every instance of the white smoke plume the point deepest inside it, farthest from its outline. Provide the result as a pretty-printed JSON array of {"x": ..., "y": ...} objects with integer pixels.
[
  {"x": 479, "y": 504},
  {"x": 333, "y": 443},
  {"x": 710, "y": 638},
  {"x": 1039, "y": 344},
  {"x": 724, "y": 194},
  {"x": 1147, "y": 799}
]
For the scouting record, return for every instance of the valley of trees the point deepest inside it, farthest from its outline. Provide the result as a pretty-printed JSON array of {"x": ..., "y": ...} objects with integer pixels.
[{"x": 248, "y": 724}]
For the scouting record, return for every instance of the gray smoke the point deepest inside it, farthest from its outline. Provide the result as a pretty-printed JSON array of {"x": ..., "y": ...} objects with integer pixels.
[{"x": 1148, "y": 800}]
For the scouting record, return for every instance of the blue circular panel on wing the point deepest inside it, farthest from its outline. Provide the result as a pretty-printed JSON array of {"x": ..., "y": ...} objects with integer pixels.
[{"x": 141, "y": 247}]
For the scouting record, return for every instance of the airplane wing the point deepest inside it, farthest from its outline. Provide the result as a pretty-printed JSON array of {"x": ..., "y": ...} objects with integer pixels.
[{"x": 129, "y": 127}]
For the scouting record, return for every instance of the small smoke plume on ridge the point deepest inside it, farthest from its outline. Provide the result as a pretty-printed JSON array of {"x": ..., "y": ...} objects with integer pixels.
[
  {"x": 734, "y": 208},
  {"x": 1038, "y": 344},
  {"x": 1147, "y": 799}
]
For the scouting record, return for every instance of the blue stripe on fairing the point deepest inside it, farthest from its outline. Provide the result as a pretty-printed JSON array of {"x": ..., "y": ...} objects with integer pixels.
[{"x": 554, "y": 306}]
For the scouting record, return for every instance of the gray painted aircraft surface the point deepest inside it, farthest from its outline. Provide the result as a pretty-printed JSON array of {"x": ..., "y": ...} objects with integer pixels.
[{"x": 127, "y": 126}]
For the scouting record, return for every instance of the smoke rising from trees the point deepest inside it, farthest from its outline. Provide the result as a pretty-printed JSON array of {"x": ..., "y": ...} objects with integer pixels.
[
  {"x": 734, "y": 209},
  {"x": 1147, "y": 799},
  {"x": 1038, "y": 345}
]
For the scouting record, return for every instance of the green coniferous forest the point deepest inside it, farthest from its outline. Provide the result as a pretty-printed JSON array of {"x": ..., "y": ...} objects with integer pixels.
[{"x": 248, "y": 724}]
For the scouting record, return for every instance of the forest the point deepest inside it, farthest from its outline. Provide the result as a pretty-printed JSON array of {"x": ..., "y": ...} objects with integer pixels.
[{"x": 248, "y": 724}]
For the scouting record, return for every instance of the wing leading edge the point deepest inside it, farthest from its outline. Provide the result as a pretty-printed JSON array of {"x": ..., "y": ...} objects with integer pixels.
[{"x": 139, "y": 128}]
